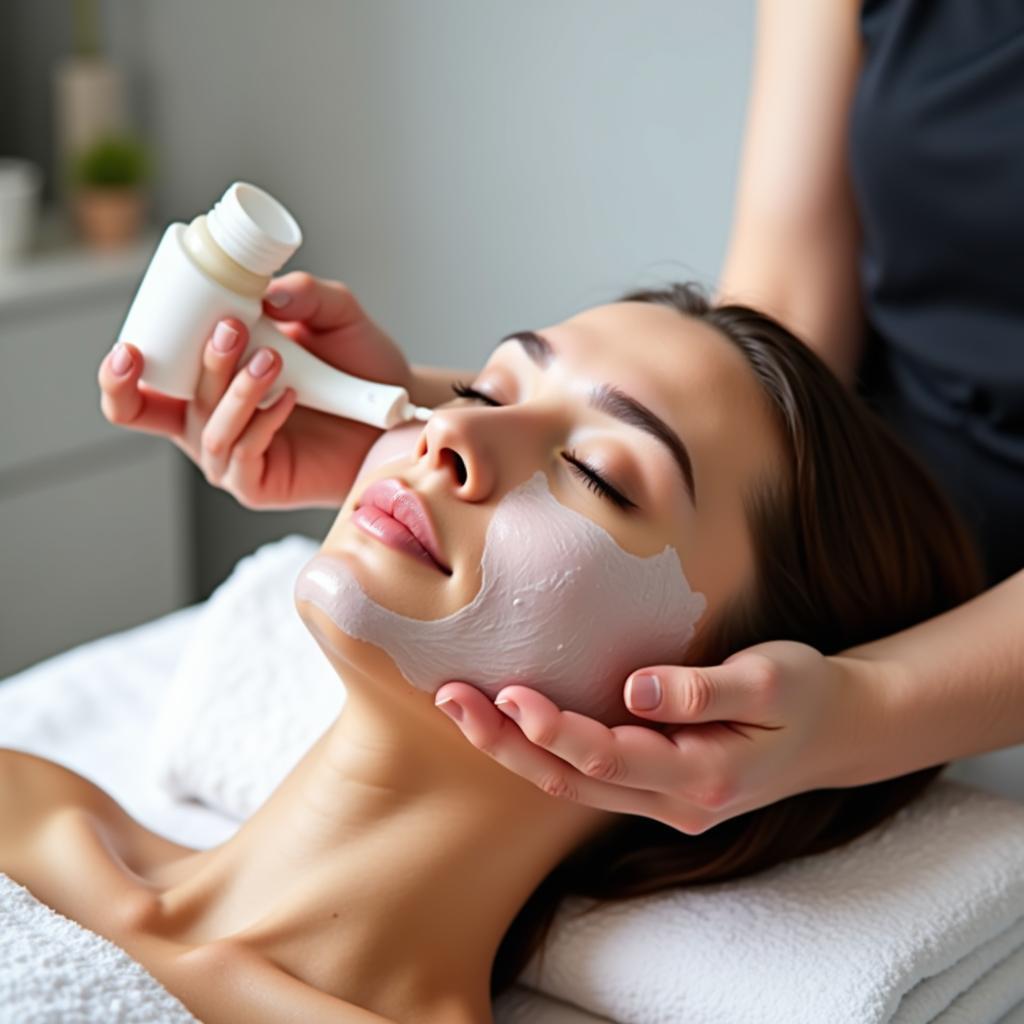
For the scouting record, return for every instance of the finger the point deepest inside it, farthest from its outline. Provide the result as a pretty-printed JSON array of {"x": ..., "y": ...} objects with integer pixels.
[
  {"x": 221, "y": 353},
  {"x": 235, "y": 410},
  {"x": 496, "y": 735},
  {"x": 250, "y": 465},
  {"x": 627, "y": 755},
  {"x": 740, "y": 690},
  {"x": 320, "y": 305},
  {"x": 126, "y": 403},
  {"x": 696, "y": 764}
]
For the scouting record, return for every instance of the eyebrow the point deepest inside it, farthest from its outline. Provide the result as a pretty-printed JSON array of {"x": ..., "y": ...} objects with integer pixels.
[{"x": 609, "y": 399}]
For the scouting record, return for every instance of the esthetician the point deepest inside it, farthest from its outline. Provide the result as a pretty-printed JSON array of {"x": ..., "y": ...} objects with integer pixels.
[{"x": 878, "y": 215}]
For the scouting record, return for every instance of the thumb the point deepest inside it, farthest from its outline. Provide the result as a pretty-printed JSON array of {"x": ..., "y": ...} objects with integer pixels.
[
  {"x": 670, "y": 693},
  {"x": 319, "y": 304}
]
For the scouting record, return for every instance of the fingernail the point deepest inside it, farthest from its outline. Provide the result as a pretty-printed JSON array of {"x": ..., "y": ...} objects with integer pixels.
[
  {"x": 278, "y": 299},
  {"x": 510, "y": 707},
  {"x": 121, "y": 362},
  {"x": 451, "y": 708},
  {"x": 643, "y": 692},
  {"x": 261, "y": 363},
  {"x": 224, "y": 337}
]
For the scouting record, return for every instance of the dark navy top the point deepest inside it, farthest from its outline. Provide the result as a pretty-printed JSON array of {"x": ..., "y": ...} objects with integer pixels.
[{"x": 937, "y": 163}]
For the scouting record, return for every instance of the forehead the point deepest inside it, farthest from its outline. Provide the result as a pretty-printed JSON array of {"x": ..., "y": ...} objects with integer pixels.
[
  {"x": 686, "y": 370},
  {"x": 649, "y": 335}
]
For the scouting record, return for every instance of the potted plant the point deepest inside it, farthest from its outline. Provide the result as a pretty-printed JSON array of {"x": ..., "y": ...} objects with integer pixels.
[{"x": 109, "y": 196}]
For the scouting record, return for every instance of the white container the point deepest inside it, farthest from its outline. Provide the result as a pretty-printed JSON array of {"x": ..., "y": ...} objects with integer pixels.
[
  {"x": 20, "y": 184},
  {"x": 219, "y": 266}
]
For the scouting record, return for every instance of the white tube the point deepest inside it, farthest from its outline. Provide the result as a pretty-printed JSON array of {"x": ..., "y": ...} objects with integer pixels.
[
  {"x": 183, "y": 294},
  {"x": 319, "y": 386}
]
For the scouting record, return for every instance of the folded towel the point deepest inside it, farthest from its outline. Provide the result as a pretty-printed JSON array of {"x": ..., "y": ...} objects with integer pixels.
[
  {"x": 921, "y": 920},
  {"x": 54, "y": 971},
  {"x": 252, "y": 691}
]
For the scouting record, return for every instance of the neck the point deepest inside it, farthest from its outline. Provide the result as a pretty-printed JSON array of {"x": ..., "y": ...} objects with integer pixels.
[{"x": 388, "y": 865}]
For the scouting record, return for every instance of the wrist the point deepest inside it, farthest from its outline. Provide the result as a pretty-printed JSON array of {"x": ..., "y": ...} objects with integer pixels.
[{"x": 865, "y": 735}]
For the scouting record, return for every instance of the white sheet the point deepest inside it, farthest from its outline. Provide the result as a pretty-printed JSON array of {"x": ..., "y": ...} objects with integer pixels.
[{"x": 93, "y": 710}]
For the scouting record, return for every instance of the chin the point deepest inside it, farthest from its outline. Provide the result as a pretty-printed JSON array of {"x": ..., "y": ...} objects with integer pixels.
[
  {"x": 393, "y": 579},
  {"x": 355, "y": 661}
]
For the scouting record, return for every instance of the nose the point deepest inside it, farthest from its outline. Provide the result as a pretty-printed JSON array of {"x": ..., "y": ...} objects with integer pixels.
[
  {"x": 477, "y": 447},
  {"x": 454, "y": 442}
]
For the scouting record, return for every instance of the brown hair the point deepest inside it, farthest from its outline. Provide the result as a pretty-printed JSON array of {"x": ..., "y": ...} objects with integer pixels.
[{"x": 855, "y": 542}]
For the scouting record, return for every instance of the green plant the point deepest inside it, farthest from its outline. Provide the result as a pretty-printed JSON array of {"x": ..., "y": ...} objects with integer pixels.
[{"x": 113, "y": 162}]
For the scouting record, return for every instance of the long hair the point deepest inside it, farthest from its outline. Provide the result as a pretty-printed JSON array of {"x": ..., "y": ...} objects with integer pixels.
[{"x": 855, "y": 541}]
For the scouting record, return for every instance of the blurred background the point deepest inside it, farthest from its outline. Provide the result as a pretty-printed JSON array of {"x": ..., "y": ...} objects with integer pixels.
[{"x": 467, "y": 167}]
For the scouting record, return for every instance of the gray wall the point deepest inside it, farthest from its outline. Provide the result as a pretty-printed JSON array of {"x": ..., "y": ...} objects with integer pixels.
[
  {"x": 468, "y": 167},
  {"x": 465, "y": 165}
]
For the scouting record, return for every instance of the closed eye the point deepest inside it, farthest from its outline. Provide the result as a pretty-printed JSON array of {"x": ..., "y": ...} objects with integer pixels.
[
  {"x": 597, "y": 483},
  {"x": 465, "y": 391}
]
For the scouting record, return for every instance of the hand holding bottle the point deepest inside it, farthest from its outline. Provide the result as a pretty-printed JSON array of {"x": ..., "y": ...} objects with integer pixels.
[{"x": 282, "y": 456}]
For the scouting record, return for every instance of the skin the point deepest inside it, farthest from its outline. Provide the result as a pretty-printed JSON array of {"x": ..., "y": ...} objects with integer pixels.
[{"x": 392, "y": 831}]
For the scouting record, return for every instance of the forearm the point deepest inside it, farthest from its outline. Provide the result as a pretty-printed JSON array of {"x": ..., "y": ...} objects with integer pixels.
[
  {"x": 432, "y": 385},
  {"x": 947, "y": 688}
]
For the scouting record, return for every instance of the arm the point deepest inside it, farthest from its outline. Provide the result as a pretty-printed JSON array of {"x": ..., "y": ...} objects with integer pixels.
[
  {"x": 795, "y": 235},
  {"x": 947, "y": 688}
]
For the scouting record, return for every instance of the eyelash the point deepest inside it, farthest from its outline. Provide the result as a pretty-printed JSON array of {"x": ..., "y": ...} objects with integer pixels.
[{"x": 587, "y": 474}]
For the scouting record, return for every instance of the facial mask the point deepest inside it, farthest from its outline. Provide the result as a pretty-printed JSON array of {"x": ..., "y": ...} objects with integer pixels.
[{"x": 561, "y": 608}]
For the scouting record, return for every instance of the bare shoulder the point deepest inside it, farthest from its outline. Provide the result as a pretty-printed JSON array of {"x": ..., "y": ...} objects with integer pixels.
[
  {"x": 33, "y": 788},
  {"x": 31, "y": 785}
]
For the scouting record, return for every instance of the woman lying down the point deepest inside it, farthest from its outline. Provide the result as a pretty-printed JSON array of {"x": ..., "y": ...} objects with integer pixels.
[{"x": 656, "y": 480}]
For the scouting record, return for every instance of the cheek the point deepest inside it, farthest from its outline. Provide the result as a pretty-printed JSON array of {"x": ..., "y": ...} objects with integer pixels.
[
  {"x": 395, "y": 445},
  {"x": 392, "y": 446},
  {"x": 576, "y": 613}
]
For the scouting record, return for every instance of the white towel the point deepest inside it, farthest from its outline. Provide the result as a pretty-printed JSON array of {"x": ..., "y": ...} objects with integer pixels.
[
  {"x": 54, "y": 971},
  {"x": 921, "y": 920},
  {"x": 252, "y": 691}
]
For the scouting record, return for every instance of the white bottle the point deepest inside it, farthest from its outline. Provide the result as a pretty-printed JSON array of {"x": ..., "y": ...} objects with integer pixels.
[{"x": 219, "y": 266}]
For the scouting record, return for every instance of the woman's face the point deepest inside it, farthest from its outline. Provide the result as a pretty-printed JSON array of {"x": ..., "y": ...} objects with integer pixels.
[{"x": 644, "y": 421}]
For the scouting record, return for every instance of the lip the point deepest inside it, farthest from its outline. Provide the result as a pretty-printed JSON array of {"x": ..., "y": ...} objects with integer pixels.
[{"x": 397, "y": 516}]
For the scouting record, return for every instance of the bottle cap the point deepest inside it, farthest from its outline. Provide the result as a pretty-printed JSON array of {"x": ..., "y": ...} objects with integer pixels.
[{"x": 253, "y": 228}]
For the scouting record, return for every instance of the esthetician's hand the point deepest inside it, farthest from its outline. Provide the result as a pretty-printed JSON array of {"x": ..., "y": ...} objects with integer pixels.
[
  {"x": 775, "y": 719},
  {"x": 283, "y": 456}
]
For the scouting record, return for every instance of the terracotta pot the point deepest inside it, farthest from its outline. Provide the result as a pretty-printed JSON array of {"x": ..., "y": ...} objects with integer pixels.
[{"x": 109, "y": 217}]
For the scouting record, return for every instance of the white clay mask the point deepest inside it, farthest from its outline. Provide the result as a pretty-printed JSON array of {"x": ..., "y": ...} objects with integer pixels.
[{"x": 561, "y": 608}]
